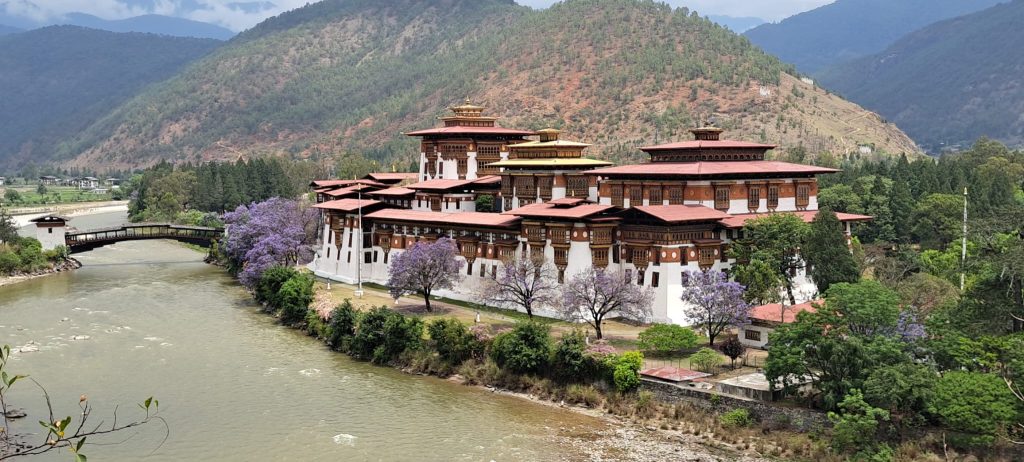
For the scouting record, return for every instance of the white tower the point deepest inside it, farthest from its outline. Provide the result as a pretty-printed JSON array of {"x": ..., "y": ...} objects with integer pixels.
[{"x": 50, "y": 230}]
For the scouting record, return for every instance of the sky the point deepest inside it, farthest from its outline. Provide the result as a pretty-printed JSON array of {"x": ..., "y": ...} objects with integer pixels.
[{"x": 238, "y": 15}]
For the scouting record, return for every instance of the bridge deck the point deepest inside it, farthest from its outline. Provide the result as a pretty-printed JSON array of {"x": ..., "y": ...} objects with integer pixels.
[{"x": 90, "y": 239}]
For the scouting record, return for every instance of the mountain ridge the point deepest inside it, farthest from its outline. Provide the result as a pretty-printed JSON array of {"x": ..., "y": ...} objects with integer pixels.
[
  {"x": 341, "y": 76},
  {"x": 849, "y": 29},
  {"x": 949, "y": 83}
]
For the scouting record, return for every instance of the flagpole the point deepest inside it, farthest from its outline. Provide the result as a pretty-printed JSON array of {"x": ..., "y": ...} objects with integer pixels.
[
  {"x": 963, "y": 245},
  {"x": 359, "y": 261}
]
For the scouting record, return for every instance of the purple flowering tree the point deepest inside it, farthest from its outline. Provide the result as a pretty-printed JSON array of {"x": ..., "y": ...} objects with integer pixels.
[
  {"x": 714, "y": 302},
  {"x": 596, "y": 293},
  {"x": 526, "y": 282},
  {"x": 424, "y": 268},
  {"x": 264, "y": 234}
]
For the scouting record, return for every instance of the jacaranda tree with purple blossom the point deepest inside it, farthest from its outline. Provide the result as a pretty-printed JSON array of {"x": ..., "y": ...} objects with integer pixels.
[
  {"x": 713, "y": 302},
  {"x": 596, "y": 293},
  {"x": 526, "y": 282},
  {"x": 424, "y": 268},
  {"x": 265, "y": 234}
]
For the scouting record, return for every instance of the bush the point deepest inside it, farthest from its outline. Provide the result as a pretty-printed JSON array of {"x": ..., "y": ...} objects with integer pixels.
[
  {"x": 453, "y": 341},
  {"x": 9, "y": 262},
  {"x": 626, "y": 370},
  {"x": 570, "y": 362},
  {"x": 975, "y": 406},
  {"x": 316, "y": 326},
  {"x": 739, "y": 417},
  {"x": 705, "y": 360},
  {"x": 668, "y": 338},
  {"x": 383, "y": 335},
  {"x": 294, "y": 297},
  {"x": 733, "y": 348},
  {"x": 270, "y": 283},
  {"x": 342, "y": 325},
  {"x": 855, "y": 428},
  {"x": 30, "y": 251},
  {"x": 525, "y": 349},
  {"x": 586, "y": 395}
]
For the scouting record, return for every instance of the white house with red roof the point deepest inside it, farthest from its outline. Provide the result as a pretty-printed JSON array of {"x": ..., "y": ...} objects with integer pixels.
[{"x": 765, "y": 319}]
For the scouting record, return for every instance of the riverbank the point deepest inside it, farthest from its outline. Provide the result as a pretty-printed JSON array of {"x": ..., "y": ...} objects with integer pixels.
[
  {"x": 67, "y": 265},
  {"x": 24, "y": 215}
]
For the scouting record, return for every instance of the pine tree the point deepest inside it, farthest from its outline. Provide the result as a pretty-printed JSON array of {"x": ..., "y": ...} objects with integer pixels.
[{"x": 828, "y": 258}]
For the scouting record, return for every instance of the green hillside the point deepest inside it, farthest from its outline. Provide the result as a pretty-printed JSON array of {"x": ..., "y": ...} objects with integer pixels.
[
  {"x": 950, "y": 83},
  {"x": 849, "y": 29},
  {"x": 353, "y": 75},
  {"x": 58, "y": 80}
]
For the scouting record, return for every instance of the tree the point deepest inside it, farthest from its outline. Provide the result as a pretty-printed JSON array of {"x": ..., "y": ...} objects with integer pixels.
[
  {"x": 12, "y": 195},
  {"x": 904, "y": 390},
  {"x": 8, "y": 229},
  {"x": 596, "y": 293},
  {"x": 938, "y": 220},
  {"x": 775, "y": 240},
  {"x": 41, "y": 189},
  {"x": 352, "y": 166},
  {"x": 713, "y": 302},
  {"x": 526, "y": 349},
  {"x": 733, "y": 348},
  {"x": 526, "y": 282},
  {"x": 705, "y": 359},
  {"x": 977, "y": 406},
  {"x": 855, "y": 427},
  {"x": 424, "y": 268},
  {"x": 827, "y": 255},
  {"x": 295, "y": 296},
  {"x": 667, "y": 338},
  {"x": 762, "y": 282},
  {"x": 276, "y": 232}
]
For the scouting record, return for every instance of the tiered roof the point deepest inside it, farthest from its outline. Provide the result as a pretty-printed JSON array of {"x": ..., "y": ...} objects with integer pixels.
[
  {"x": 468, "y": 119},
  {"x": 551, "y": 210},
  {"x": 443, "y": 218},
  {"x": 347, "y": 205},
  {"x": 711, "y": 169},
  {"x": 682, "y": 213},
  {"x": 448, "y": 185}
]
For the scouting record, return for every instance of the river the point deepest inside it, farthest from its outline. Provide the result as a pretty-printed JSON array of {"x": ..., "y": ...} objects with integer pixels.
[{"x": 150, "y": 318}]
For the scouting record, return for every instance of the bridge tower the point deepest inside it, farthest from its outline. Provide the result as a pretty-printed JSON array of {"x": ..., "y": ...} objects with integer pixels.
[{"x": 51, "y": 231}]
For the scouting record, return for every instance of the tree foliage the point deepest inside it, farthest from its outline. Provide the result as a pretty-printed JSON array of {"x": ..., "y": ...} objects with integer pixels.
[
  {"x": 424, "y": 268},
  {"x": 667, "y": 338},
  {"x": 828, "y": 258},
  {"x": 774, "y": 240},
  {"x": 524, "y": 350},
  {"x": 596, "y": 293},
  {"x": 713, "y": 302},
  {"x": 523, "y": 283}
]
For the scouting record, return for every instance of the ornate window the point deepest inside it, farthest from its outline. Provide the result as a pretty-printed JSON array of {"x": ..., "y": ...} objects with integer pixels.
[
  {"x": 617, "y": 195},
  {"x": 706, "y": 256},
  {"x": 773, "y": 197},
  {"x": 544, "y": 183},
  {"x": 753, "y": 197},
  {"x": 803, "y": 195},
  {"x": 754, "y": 335},
  {"x": 577, "y": 187},
  {"x": 722, "y": 198},
  {"x": 675, "y": 195},
  {"x": 506, "y": 185},
  {"x": 525, "y": 188},
  {"x": 636, "y": 195},
  {"x": 654, "y": 195}
]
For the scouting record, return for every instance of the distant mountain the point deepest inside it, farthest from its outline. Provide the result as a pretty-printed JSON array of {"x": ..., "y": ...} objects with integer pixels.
[
  {"x": 848, "y": 29},
  {"x": 151, "y": 24},
  {"x": 949, "y": 83},
  {"x": 59, "y": 79},
  {"x": 353, "y": 75},
  {"x": 737, "y": 25},
  {"x": 4, "y": 30}
]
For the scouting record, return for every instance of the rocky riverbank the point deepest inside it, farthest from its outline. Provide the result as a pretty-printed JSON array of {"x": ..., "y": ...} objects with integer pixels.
[{"x": 67, "y": 265}]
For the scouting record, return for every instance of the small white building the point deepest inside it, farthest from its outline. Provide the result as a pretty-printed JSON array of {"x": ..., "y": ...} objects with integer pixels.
[
  {"x": 51, "y": 231},
  {"x": 765, "y": 319}
]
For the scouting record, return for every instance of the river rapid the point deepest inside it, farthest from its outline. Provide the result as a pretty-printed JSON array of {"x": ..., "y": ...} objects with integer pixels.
[{"x": 150, "y": 318}]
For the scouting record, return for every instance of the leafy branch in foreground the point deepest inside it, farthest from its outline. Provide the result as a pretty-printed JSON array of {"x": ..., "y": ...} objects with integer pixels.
[{"x": 60, "y": 433}]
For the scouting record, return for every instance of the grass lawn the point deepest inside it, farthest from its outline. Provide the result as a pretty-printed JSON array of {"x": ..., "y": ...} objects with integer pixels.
[{"x": 54, "y": 195}]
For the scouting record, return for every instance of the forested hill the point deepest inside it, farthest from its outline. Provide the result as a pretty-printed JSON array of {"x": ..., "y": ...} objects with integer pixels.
[
  {"x": 950, "y": 83},
  {"x": 352, "y": 75},
  {"x": 849, "y": 29},
  {"x": 4, "y": 30},
  {"x": 58, "y": 80}
]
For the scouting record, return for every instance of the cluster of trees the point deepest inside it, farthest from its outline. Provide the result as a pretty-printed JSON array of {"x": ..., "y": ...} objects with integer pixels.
[
  {"x": 275, "y": 232},
  {"x": 166, "y": 192},
  {"x": 922, "y": 201}
]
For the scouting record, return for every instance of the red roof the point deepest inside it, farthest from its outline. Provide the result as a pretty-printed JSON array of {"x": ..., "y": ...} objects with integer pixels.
[
  {"x": 319, "y": 184},
  {"x": 567, "y": 201},
  {"x": 392, "y": 176},
  {"x": 549, "y": 210},
  {"x": 674, "y": 374},
  {"x": 678, "y": 213},
  {"x": 748, "y": 167},
  {"x": 458, "y": 218},
  {"x": 772, "y": 312},
  {"x": 346, "y": 205},
  {"x": 453, "y": 184},
  {"x": 346, "y": 190},
  {"x": 457, "y": 130},
  {"x": 707, "y": 144},
  {"x": 737, "y": 221},
  {"x": 392, "y": 192}
]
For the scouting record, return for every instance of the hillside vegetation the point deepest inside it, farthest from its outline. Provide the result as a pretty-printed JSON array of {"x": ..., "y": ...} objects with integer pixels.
[
  {"x": 948, "y": 84},
  {"x": 849, "y": 29},
  {"x": 58, "y": 80},
  {"x": 353, "y": 75}
]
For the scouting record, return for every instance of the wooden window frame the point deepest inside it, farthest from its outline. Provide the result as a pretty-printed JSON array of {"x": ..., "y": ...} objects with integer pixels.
[
  {"x": 752, "y": 335},
  {"x": 773, "y": 197},
  {"x": 722, "y": 200}
]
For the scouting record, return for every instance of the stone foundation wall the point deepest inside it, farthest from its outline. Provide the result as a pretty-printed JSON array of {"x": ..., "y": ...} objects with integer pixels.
[{"x": 798, "y": 418}]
